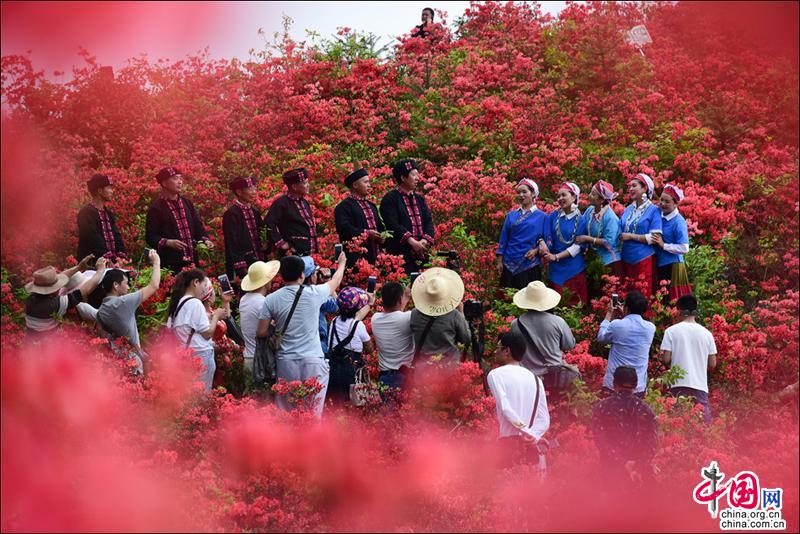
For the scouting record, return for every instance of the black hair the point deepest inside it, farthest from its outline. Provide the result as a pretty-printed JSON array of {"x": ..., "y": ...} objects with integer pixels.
[
  {"x": 292, "y": 268},
  {"x": 430, "y": 10},
  {"x": 181, "y": 284},
  {"x": 625, "y": 376},
  {"x": 687, "y": 303},
  {"x": 636, "y": 302},
  {"x": 347, "y": 314},
  {"x": 111, "y": 277},
  {"x": 514, "y": 342},
  {"x": 391, "y": 293}
]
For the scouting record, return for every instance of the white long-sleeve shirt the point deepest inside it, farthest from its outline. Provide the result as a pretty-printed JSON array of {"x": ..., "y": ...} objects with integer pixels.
[{"x": 514, "y": 390}]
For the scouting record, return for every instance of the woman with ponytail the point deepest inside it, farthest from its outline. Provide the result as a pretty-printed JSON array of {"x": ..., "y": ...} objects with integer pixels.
[
  {"x": 640, "y": 222},
  {"x": 193, "y": 327}
]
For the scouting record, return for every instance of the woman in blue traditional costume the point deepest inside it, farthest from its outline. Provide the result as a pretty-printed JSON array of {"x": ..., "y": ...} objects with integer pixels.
[
  {"x": 602, "y": 228},
  {"x": 639, "y": 223},
  {"x": 567, "y": 267},
  {"x": 518, "y": 260},
  {"x": 673, "y": 243}
]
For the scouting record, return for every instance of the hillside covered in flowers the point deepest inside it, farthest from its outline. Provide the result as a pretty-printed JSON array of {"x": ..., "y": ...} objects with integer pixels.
[{"x": 711, "y": 104}]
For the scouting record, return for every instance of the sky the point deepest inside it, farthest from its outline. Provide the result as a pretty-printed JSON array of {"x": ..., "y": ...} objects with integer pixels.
[{"x": 52, "y": 32}]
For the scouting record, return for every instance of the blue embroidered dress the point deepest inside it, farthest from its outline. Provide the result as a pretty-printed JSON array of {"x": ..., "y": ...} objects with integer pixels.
[
  {"x": 560, "y": 233},
  {"x": 607, "y": 229},
  {"x": 521, "y": 231}
]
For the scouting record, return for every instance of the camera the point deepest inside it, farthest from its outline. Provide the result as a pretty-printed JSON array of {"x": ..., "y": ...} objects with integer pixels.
[
  {"x": 473, "y": 309},
  {"x": 453, "y": 261}
]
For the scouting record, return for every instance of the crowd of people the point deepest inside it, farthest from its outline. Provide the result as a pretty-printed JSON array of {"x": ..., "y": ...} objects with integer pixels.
[{"x": 292, "y": 322}]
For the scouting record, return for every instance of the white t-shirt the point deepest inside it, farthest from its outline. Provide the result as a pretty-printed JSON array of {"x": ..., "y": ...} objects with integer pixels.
[
  {"x": 514, "y": 390},
  {"x": 691, "y": 345},
  {"x": 394, "y": 339},
  {"x": 192, "y": 315},
  {"x": 343, "y": 326},
  {"x": 249, "y": 307}
]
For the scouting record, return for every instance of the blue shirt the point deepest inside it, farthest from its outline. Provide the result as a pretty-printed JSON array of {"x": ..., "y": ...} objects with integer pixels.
[
  {"x": 607, "y": 229},
  {"x": 675, "y": 232},
  {"x": 560, "y": 233},
  {"x": 329, "y": 307},
  {"x": 642, "y": 221},
  {"x": 520, "y": 233},
  {"x": 630, "y": 339}
]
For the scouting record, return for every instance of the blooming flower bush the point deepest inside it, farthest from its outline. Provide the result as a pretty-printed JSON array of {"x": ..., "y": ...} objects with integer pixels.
[{"x": 510, "y": 92}]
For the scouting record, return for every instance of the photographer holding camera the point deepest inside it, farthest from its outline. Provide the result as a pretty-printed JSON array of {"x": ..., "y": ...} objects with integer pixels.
[{"x": 438, "y": 321}]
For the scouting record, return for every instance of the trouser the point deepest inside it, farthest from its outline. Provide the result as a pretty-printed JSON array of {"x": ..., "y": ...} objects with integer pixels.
[
  {"x": 519, "y": 451},
  {"x": 207, "y": 374},
  {"x": 395, "y": 382},
  {"x": 606, "y": 392},
  {"x": 342, "y": 376},
  {"x": 700, "y": 397},
  {"x": 302, "y": 370}
]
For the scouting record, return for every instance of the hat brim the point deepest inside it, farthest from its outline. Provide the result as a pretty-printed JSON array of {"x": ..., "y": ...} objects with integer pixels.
[
  {"x": 454, "y": 292},
  {"x": 61, "y": 280},
  {"x": 549, "y": 301},
  {"x": 251, "y": 284}
]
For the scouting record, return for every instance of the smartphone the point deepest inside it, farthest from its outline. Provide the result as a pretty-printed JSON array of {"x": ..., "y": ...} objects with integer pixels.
[
  {"x": 224, "y": 283},
  {"x": 147, "y": 253},
  {"x": 413, "y": 277},
  {"x": 615, "y": 300},
  {"x": 337, "y": 251},
  {"x": 371, "y": 281}
]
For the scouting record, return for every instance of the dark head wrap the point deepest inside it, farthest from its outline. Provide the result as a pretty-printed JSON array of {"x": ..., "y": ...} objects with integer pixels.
[
  {"x": 166, "y": 173},
  {"x": 243, "y": 182},
  {"x": 98, "y": 181},
  {"x": 403, "y": 167},
  {"x": 294, "y": 176},
  {"x": 354, "y": 176}
]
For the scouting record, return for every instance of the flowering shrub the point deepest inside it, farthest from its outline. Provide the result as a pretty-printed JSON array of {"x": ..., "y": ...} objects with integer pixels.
[{"x": 511, "y": 92}]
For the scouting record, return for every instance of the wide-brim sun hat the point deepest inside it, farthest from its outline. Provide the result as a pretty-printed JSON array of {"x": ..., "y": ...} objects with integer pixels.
[
  {"x": 537, "y": 296},
  {"x": 46, "y": 281},
  {"x": 259, "y": 274},
  {"x": 437, "y": 291}
]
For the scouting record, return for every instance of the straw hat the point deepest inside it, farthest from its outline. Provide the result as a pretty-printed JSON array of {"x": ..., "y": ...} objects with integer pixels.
[
  {"x": 46, "y": 281},
  {"x": 437, "y": 291},
  {"x": 260, "y": 274},
  {"x": 537, "y": 296}
]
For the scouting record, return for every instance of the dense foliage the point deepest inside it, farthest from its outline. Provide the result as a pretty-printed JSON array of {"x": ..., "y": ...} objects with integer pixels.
[{"x": 510, "y": 92}]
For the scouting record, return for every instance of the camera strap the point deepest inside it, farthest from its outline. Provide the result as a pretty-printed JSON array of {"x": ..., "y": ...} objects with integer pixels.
[
  {"x": 422, "y": 339},
  {"x": 536, "y": 400},
  {"x": 528, "y": 336}
]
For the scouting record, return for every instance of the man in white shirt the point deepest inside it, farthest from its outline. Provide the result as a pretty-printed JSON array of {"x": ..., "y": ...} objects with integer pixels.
[
  {"x": 300, "y": 356},
  {"x": 516, "y": 391},
  {"x": 691, "y": 347},
  {"x": 393, "y": 336}
]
